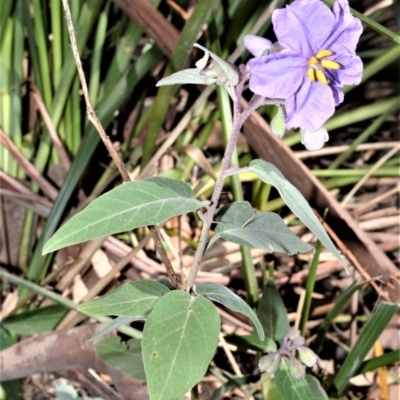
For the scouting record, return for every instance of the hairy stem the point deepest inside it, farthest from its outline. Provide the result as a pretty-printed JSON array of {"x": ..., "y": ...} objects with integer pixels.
[{"x": 238, "y": 121}]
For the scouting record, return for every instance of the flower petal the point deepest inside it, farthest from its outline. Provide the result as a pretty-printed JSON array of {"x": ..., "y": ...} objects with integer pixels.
[
  {"x": 350, "y": 72},
  {"x": 277, "y": 76},
  {"x": 303, "y": 26},
  {"x": 347, "y": 30},
  {"x": 310, "y": 107},
  {"x": 338, "y": 95},
  {"x": 256, "y": 45}
]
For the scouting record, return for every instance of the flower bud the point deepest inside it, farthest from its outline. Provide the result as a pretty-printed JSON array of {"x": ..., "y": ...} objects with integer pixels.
[
  {"x": 307, "y": 356},
  {"x": 297, "y": 370},
  {"x": 217, "y": 70},
  {"x": 314, "y": 140},
  {"x": 270, "y": 362},
  {"x": 278, "y": 127},
  {"x": 299, "y": 341},
  {"x": 257, "y": 46},
  {"x": 292, "y": 334}
]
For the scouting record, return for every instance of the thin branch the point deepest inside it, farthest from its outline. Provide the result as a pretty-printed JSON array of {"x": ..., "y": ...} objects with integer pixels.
[{"x": 106, "y": 140}]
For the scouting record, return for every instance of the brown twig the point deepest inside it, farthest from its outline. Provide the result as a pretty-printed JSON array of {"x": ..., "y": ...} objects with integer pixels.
[
  {"x": 106, "y": 140},
  {"x": 65, "y": 161},
  {"x": 49, "y": 190}
]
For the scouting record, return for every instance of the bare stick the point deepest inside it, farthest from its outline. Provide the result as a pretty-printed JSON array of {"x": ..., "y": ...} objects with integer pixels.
[{"x": 106, "y": 140}]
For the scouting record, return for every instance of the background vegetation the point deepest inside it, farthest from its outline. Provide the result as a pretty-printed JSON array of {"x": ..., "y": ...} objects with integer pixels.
[{"x": 51, "y": 166}]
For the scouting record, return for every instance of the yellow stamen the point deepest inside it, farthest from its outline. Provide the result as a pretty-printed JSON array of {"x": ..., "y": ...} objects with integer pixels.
[
  {"x": 313, "y": 61},
  {"x": 328, "y": 64},
  {"x": 311, "y": 74},
  {"x": 323, "y": 54},
  {"x": 321, "y": 76}
]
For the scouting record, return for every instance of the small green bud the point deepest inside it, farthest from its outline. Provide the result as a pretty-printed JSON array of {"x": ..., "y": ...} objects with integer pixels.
[
  {"x": 270, "y": 362},
  {"x": 278, "y": 127},
  {"x": 307, "y": 356}
]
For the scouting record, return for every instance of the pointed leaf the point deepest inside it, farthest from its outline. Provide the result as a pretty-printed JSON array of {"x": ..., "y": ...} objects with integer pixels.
[
  {"x": 272, "y": 313},
  {"x": 115, "y": 323},
  {"x": 289, "y": 388},
  {"x": 179, "y": 341},
  {"x": 268, "y": 173},
  {"x": 226, "y": 297},
  {"x": 187, "y": 76},
  {"x": 252, "y": 342},
  {"x": 127, "y": 357},
  {"x": 240, "y": 223},
  {"x": 128, "y": 206},
  {"x": 316, "y": 388},
  {"x": 131, "y": 299}
]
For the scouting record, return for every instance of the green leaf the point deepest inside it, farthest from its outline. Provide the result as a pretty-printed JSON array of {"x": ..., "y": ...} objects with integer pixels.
[
  {"x": 272, "y": 313},
  {"x": 270, "y": 391},
  {"x": 131, "y": 299},
  {"x": 371, "y": 332},
  {"x": 186, "y": 76},
  {"x": 316, "y": 388},
  {"x": 115, "y": 323},
  {"x": 226, "y": 297},
  {"x": 128, "y": 206},
  {"x": 289, "y": 388},
  {"x": 179, "y": 341},
  {"x": 268, "y": 173},
  {"x": 127, "y": 357},
  {"x": 252, "y": 342},
  {"x": 240, "y": 223},
  {"x": 36, "y": 321}
]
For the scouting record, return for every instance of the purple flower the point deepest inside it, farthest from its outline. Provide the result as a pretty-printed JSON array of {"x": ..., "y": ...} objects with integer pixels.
[{"x": 317, "y": 60}]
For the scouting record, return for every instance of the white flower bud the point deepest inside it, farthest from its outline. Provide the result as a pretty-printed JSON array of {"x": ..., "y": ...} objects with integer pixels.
[{"x": 314, "y": 140}]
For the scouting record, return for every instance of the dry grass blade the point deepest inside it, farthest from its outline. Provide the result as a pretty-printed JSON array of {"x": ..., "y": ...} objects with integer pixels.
[{"x": 28, "y": 167}]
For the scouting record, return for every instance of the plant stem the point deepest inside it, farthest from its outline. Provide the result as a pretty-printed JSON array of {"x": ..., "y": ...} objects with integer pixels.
[{"x": 238, "y": 121}]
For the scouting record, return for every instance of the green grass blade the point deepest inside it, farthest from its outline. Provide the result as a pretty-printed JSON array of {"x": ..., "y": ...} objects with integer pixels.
[
  {"x": 189, "y": 35},
  {"x": 43, "y": 51},
  {"x": 86, "y": 20},
  {"x": 94, "y": 82},
  {"x": 378, "y": 362},
  {"x": 337, "y": 308},
  {"x": 371, "y": 332},
  {"x": 310, "y": 288},
  {"x": 57, "y": 22}
]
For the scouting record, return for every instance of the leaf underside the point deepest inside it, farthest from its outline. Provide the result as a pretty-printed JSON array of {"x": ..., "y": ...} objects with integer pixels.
[
  {"x": 268, "y": 173},
  {"x": 240, "y": 223},
  {"x": 226, "y": 297}
]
